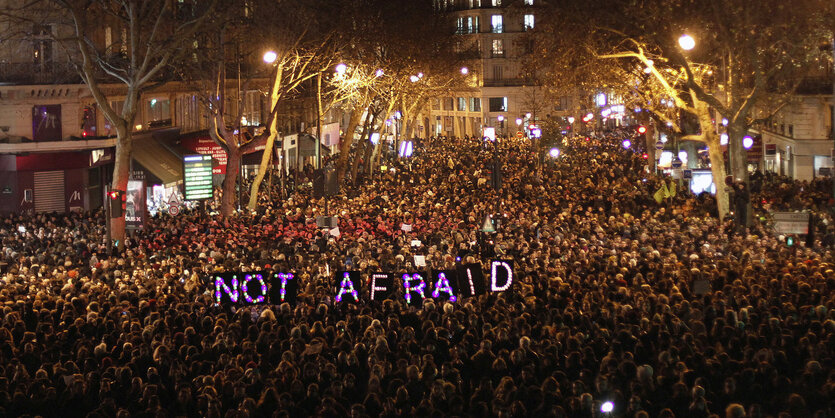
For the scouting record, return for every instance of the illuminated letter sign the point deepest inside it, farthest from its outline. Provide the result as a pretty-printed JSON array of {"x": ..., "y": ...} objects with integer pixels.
[
  {"x": 471, "y": 280},
  {"x": 445, "y": 285},
  {"x": 263, "y": 286},
  {"x": 348, "y": 285},
  {"x": 411, "y": 288},
  {"x": 228, "y": 294},
  {"x": 283, "y": 288},
  {"x": 381, "y": 284},
  {"x": 501, "y": 276}
]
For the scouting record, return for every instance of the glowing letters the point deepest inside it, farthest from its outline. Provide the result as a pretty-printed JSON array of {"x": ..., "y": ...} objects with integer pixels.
[
  {"x": 347, "y": 286},
  {"x": 442, "y": 285},
  {"x": 232, "y": 293},
  {"x": 409, "y": 289},
  {"x": 494, "y": 272},
  {"x": 262, "y": 297},
  {"x": 374, "y": 288},
  {"x": 283, "y": 291}
]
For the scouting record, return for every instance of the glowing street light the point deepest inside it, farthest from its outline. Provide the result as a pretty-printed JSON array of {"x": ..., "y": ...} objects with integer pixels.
[
  {"x": 554, "y": 152},
  {"x": 686, "y": 42},
  {"x": 518, "y": 121},
  {"x": 571, "y": 119},
  {"x": 414, "y": 79},
  {"x": 341, "y": 69},
  {"x": 500, "y": 118},
  {"x": 747, "y": 142},
  {"x": 528, "y": 115},
  {"x": 270, "y": 57},
  {"x": 465, "y": 70},
  {"x": 627, "y": 143},
  {"x": 723, "y": 139},
  {"x": 379, "y": 73},
  {"x": 420, "y": 75},
  {"x": 607, "y": 407}
]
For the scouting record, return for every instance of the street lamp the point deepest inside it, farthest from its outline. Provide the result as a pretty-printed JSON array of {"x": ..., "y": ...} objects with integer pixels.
[
  {"x": 414, "y": 79},
  {"x": 270, "y": 57},
  {"x": 379, "y": 73},
  {"x": 686, "y": 42},
  {"x": 554, "y": 152},
  {"x": 518, "y": 121},
  {"x": 465, "y": 70},
  {"x": 570, "y": 120},
  {"x": 747, "y": 142}
]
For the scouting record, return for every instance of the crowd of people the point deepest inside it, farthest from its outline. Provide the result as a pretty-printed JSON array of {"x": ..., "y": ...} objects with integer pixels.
[{"x": 617, "y": 298}]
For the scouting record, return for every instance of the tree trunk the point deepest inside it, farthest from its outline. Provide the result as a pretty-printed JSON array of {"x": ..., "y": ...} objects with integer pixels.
[
  {"x": 377, "y": 148},
  {"x": 360, "y": 155},
  {"x": 717, "y": 159},
  {"x": 736, "y": 132},
  {"x": 233, "y": 168},
  {"x": 262, "y": 170},
  {"x": 345, "y": 145},
  {"x": 121, "y": 173}
]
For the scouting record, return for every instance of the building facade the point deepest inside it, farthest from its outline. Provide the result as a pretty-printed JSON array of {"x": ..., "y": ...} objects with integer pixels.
[{"x": 495, "y": 36}]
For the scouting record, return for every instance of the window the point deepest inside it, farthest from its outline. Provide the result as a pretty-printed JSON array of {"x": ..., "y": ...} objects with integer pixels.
[
  {"x": 436, "y": 104},
  {"x": 498, "y": 104},
  {"x": 498, "y": 48},
  {"x": 528, "y": 22},
  {"x": 528, "y": 2},
  {"x": 498, "y": 72},
  {"x": 475, "y": 104},
  {"x": 462, "y": 104},
  {"x": 252, "y": 109},
  {"x": 497, "y": 3},
  {"x": 496, "y": 24},
  {"x": 448, "y": 103},
  {"x": 791, "y": 131},
  {"x": 158, "y": 112},
  {"x": 565, "y": 102}
]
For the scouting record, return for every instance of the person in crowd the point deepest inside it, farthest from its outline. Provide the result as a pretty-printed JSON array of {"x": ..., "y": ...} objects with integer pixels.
[{"x": 608, "y": 303}]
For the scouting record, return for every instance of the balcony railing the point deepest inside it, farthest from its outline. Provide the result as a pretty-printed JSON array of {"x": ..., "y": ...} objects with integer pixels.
[
  {"x": 503, "y": 82},
  {"x": 497, "y": 54},
  {"x": 497, "y": 29},
  {"x": 25, "y": 73}
]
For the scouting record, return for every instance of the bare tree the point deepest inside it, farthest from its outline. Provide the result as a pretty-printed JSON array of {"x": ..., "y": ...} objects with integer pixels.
[{"x": 154, "y": 35}]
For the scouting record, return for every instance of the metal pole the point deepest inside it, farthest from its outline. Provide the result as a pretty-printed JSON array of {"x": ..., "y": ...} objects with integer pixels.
[
  {"x": 319, "y": 120},
  {"x": 108, "y": 219}
]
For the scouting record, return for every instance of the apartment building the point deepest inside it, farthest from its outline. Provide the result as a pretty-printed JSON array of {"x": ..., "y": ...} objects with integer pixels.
[{"x": 494, "y": 34}]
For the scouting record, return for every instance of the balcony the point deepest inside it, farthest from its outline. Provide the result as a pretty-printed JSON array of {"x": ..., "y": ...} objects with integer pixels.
[
  {"x": 23, "y": 73},
  {"x": 497, "y": 54},
  {"x": 815, "y": 85},
  {"x": 504, "y": 82}
]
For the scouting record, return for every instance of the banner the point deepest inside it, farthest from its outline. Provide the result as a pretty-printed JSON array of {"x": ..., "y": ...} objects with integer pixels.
[
  {"x": 253, "y": 288},
  {"x": 135, "y": 204}
]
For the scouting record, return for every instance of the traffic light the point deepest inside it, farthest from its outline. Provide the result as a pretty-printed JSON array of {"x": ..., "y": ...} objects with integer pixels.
[{"x": 114, "y": 199}]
